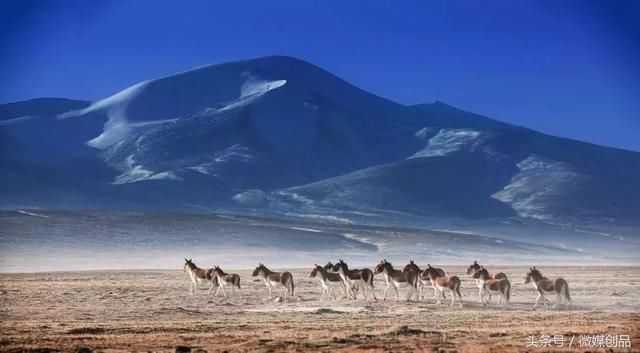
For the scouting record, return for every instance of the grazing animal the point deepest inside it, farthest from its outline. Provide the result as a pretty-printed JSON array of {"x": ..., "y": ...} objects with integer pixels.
[
  {"x": 544, "y": 285},
  {"x": 397, "y": 279},
  {"x": 226, "y": 279},
  {"x": 275, "y": 279},
  {"x": 358, "y": 278},
  {"x": 328, "y": 281},
  {"x": 440, "y": 282},
  {"x": 475, "y": 267},
  {"x": 199, "y": 275},
  {"x": 500, "y": 286},
  {"x": 423, "y": 281}
]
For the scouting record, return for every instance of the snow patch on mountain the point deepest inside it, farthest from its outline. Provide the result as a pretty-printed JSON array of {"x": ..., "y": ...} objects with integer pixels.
[
  {"x": 449, "y": 141},
  {"x": 424, "y": 133},
  {"x": 295, "y": 197},
  {"x": 117, "y": 126},
  {"x": 535, "y": 188},
  {"x": 251, "y": 90},
  {"x": 17, "y": 120},
  {"x": 234, "y": 153},
  {"x": 253, "y": 197},
  {"x": 136, "y": 173}
]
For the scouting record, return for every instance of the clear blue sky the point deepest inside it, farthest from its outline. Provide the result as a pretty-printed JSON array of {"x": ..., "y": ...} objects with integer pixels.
[{"x": 568, "y": 68}]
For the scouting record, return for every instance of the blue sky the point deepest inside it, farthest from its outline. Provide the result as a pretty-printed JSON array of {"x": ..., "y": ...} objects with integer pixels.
[{"x": 568, "y": 68}]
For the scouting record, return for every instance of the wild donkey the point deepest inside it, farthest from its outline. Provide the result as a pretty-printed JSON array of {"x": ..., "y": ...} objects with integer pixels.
[
  {"x": 475, "y": 267},
  {"x": 358, "y": 278},
  {"x": 329, "y": 267},
  {"x": 489, "y": 285},
  {"x": 328, "y": 281},
  {"x": 440, "y": 282},
  {"x": 423, "y": 281},
  {"x": 546, "y": 285},
  {"x": 226, "y": 279},
  {"x": 272, "y": 279},
  {"x": 396, "y": 278},
  {"x": 199, "y": 275}
]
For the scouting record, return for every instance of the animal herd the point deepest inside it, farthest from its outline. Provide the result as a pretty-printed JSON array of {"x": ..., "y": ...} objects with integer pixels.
[{"x": 350, "y": 282}]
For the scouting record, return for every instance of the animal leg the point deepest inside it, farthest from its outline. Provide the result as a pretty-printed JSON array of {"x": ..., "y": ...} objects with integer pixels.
[
  {"x": 395, "y": 289},
  {"x": 412, "y": 291},
  {"x": 558, "y": 301},
  {"x": 453, "y": 297},
  {"x": 436, "y": 296},
  {"x": 538, "y": 299}
]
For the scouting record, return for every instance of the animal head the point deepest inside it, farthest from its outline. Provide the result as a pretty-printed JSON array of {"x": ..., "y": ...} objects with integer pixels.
[
  {"x": 430, "y": 272},
  {"x": 328, "y": 266},
  {"x": 473, "y": 268},
  {"x": 411, "y": 267},
  {"x": 481, "y": 273},
  {"x": 188, "y": 264},
  {"x": 341, "y": 265},
  {"x": 532, "y": 274},
  {"x": 217, "y": 269},
  {"x": 380, "y": 266},
  {"x": 314, "y": 272},
  {"x": 260, "y": 269}
]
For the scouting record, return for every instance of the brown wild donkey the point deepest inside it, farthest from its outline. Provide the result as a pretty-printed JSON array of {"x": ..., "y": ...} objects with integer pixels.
[
  {"x": 423, "y": 281},
  {"x": 355, "y": 278},
  {"x": 544, "y": 285},
  {"x": 475, "y": 267},
  {"x": 275, "y": 279},
  {"x": 226, "y": 279},
  {"x": 329, "y": 267},
  {"x": 328, "y": 281},
  {"x": 488, "y": 285},
  {"x": 199, "y": 275},
  {"x": 397, "y": 279},
  {"x": 440, "y": 282}
]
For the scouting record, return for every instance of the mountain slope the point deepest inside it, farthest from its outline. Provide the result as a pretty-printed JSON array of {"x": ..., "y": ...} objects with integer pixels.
[{"x": 277, "y": 133}]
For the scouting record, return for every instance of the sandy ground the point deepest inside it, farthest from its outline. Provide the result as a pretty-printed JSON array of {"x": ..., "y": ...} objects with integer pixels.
[{"x": 115, "y": 311}]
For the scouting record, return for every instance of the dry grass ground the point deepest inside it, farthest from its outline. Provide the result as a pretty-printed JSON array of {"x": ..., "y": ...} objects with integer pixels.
[{"x": 118, "y": 311}]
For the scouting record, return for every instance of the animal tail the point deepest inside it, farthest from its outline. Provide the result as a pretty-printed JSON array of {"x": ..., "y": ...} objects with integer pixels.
[
  {"x": 370, "y": 279},
  {"x": 566, "y": 291},
  {"x": 458, "y": 288},
  {"x": 508, "y": 291},
  {"x": 238, "y": 281},
  {"x": 292, "y": 286}
]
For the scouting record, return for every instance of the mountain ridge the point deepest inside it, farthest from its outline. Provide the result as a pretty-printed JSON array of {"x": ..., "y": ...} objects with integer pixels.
[{"x": 277, "y": 124}]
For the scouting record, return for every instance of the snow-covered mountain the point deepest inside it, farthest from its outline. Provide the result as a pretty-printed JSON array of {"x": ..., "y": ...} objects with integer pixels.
[{"x": 280, "y": 135}]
